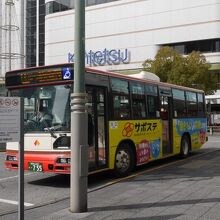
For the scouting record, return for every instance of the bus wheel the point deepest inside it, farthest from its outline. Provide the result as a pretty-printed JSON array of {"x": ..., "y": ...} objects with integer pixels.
[
  {"x": 124, "y": 160},
  {"x": 185, "y": 147}
]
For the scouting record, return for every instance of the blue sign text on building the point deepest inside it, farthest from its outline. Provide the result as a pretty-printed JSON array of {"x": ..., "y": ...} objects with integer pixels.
[{"x": 104, "y": 57}]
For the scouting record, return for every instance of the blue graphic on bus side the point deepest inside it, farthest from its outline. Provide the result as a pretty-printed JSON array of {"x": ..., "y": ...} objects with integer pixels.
[
  {"x": 191, "y": 125},
  {"x": 67, "y": 73},
  {"x": 155, "y": 148}
]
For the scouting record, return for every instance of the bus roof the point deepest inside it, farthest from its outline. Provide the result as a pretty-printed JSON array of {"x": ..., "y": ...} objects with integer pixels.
[
  {"x": 155, "y": 82},
  {"x": 104, "y": 72}
]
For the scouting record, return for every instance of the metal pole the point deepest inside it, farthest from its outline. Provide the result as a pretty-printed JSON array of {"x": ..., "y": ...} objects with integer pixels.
[
  {"x": 79, "y": 118},
  {"x": 10, "y": 55},
  {"x": 21, "y": 164},
  {"x": 37, "y": 33},
  {"x": 22, "y": 34}
]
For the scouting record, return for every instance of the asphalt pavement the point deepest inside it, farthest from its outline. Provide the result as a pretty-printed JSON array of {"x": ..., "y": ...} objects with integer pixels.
[{"x": 186, "y": 189}]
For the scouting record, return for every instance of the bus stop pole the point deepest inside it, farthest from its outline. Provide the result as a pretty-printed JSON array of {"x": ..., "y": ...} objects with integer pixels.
[
  {"x": 21, "y": 164},
  {"x": 79, "y": 118}
]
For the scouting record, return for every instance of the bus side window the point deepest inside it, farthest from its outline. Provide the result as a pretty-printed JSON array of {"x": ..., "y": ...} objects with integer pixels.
[
  {"x": 120, "y": 99},
  {"x": 139, "y": 111},
  {"x": 192, "y": 107},
  {"x": 121, "y": 107},
  {"x": 179, "y": 103},
  {"x": 138, "y": 100},
  {"x": 153, "y": 109},
  {"x": 201, "y": 104},
  {"x": 90, "y": 130},
  {"x": 153, "y": 106}
]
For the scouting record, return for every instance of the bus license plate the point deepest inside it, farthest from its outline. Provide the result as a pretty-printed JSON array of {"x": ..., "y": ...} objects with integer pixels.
[{"x": 35, "y": 167}]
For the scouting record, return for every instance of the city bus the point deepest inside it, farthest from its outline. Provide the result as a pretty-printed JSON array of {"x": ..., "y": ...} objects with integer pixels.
[{"x": 132, "y": 121}]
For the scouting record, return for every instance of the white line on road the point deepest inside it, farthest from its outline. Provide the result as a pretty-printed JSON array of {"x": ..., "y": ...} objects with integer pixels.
[
  {"x": 12, "y": 177},
  {"x": 15, "y": 202}
]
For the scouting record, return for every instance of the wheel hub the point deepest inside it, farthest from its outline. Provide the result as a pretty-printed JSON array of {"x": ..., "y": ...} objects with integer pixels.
[{"x": 122, "y": 160}]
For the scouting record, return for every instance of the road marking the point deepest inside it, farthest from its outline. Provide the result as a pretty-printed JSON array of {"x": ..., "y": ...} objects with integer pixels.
[
  {"x": 12, "y": 177},
  {"x": 15, "y": 202}
]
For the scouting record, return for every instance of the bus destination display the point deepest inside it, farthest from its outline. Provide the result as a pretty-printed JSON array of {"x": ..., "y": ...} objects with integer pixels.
[{"x": 40, "y": 76}]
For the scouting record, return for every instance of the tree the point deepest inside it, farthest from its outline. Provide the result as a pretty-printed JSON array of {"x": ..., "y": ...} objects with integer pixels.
[{"x": 191, "y": 70}]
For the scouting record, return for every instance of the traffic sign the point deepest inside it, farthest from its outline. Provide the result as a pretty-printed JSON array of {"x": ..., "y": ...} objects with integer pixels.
[{"x": 10, "y": 110}]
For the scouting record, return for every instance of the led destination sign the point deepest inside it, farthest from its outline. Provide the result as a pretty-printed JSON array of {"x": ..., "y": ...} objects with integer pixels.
[{"x": 39, "y": 77}]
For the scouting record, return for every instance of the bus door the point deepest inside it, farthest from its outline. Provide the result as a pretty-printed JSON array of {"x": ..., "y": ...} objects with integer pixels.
[
  {"x": 166, "y": 117},
  {"x": 97, "y": 127}
]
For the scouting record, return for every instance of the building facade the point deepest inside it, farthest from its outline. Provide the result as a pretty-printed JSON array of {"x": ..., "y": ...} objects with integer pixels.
[
  {"x": 35, "y": 32},
  {"x": 121, "y": 34}
]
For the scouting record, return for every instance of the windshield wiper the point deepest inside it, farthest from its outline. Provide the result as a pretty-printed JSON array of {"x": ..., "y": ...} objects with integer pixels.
[{"x": 52, "y": 129}]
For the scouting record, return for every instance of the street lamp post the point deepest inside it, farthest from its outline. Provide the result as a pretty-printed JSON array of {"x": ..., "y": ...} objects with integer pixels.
[{"x": 79, "y": 118}]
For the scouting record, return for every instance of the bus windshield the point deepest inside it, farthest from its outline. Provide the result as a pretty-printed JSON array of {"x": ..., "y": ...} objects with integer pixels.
[{"x": 46, "y": 108}]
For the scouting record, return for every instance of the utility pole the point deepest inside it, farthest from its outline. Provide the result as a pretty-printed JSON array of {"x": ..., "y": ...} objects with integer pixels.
[
  {"x": 22, "y": 33},
  {"x": 79, "y": 118}
]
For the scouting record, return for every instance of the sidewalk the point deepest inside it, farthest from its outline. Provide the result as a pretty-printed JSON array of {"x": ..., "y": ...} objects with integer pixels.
[{"x": 187, "y": 190}]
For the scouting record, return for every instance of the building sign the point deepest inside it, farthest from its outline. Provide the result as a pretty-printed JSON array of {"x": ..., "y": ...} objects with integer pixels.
[
  {"x": 104, "y": 57},
  {"x": 9, "y": 119}
]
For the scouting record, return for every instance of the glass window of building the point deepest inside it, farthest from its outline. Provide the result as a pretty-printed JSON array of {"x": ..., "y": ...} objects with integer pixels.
[
  {"x": 63, "y": 5},
  {"x": 58, "y": 6},
  {"x": 31, "y": 33},
  {"x": 204, "y": 46}
]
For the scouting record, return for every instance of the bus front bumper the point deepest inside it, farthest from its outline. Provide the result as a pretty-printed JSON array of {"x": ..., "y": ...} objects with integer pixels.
[{"x": 40, "y": 162}]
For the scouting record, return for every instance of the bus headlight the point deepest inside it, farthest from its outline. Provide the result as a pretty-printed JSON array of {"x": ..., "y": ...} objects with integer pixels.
[
  {"x": 63, "y": 160},
  {"x": 11, "y": 158}
]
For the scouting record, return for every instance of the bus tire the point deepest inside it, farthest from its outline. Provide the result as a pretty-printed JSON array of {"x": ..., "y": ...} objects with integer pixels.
[
  {"x": 185, "y": 147},
  {"x": 124, "y": 160}
]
